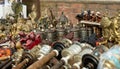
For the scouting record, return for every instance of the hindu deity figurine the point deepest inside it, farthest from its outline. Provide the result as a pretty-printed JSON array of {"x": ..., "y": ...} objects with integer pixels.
[
  {"x": 116, "y": 28},
  {"x": 98, "y": 17},
  {"x": 105, "y": 24},
  {"x": 21, "y": 25},
  {"x": 93, "y": 16},
  {"x": 44, "y": 19},
  {"x": 110, "y": 29},
  {"x": 85, "y": 15},
  {"x": 33, "y": 14}
]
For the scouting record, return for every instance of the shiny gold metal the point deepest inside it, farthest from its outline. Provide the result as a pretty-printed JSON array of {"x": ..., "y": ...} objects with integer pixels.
[
  {"x": 21, "y": 25},
  {"x": 109, "y": 65},
  {"x": 17, "y": 56},
  {"x": 2, "y": 36},
  {"x": 33, "y": 14},
  {"x": 110, "y": 29},
  {"x": 2, "y": 31},
  {"x": 29, "y": 57},
  {"x": 48, "y": 19},
  {"x": 103, "y": 42}
]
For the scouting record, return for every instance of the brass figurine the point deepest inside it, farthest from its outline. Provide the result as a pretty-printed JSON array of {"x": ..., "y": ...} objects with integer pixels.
[
  {"x": 33, "y": 14},
  {"x": 110, "y": 29}
]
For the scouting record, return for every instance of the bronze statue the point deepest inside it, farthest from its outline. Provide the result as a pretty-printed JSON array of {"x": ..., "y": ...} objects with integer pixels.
[
  {"x": 85, "y": 15},
  {"x": 33, "y": 14},
  {"x": 116, "y": 28},
  {"x": 21, "y": 25},
  {"x": 98, "y": 17},
  {"x": 48, "y": 19},
  {"x": 110, "y": 29}
]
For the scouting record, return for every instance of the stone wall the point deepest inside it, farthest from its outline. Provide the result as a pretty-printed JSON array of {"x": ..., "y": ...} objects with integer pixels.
[{"x": 72, "y": 7}]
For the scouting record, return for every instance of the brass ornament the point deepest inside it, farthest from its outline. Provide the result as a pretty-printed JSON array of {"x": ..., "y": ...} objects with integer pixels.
[
  {"x": 110, "y": 29},
  {"x": 33, "y": 14}
]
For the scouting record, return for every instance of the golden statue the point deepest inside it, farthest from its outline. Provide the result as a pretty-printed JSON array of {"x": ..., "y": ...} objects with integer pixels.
[
  {"x": 2, "y": 31},
  {"x": 111, "y": 29},
  {"x": 116, "y": 28},
  {"x": 48, "y": 19},
  {"x": 44, "y": 20},
  {"x": 18, "y": 54},
  {"x": 21, "y": 25},
  {"x": 105, "y": 24},
  {"x": 33, "y": 14}
]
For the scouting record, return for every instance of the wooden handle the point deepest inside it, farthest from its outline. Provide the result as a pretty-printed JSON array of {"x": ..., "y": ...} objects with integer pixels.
[
  {"x": 4, "y": 58},
  {"x": 74, "y": 67},
  {"x": 7, "y": 65},
  {"x": 5, "y": 62},
  {"x": 57, "y": 66},
  {"x": 103, "y": 42},
  {"x": 3, "y": 41},
  {"x": 42, "y": 61},
  {"x": 20, "y": 65}
]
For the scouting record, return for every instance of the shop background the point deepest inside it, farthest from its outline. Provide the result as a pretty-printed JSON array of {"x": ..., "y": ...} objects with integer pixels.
[{"x": 72, "y": 7}]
